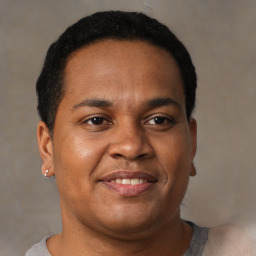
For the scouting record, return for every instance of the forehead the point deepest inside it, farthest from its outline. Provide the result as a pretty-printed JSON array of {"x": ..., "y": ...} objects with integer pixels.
[
  {"x": 128, "y": 67},
  {"x": 110, "y": 49}
]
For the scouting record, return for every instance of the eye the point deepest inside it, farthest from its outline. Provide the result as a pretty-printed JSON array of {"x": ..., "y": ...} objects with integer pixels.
[
  {"x": 96, "y": 123},
  {"x": 160, "y": 120},
  {"x": 95, "y": 120},
  {"x": 157, "y": 120}
]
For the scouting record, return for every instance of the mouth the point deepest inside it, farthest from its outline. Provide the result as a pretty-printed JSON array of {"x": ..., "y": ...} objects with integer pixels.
[
  {"x": 129, "y": 183},
  {"x": 134, "y": 181}
]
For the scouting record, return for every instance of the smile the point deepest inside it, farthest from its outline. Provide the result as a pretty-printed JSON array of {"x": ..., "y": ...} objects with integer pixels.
[
  {"x": 129, "y": 183},
  {"x": 135, "y": 181}
]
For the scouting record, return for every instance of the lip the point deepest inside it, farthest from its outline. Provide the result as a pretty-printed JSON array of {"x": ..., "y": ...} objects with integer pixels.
[{"x": 129, "y": 190}]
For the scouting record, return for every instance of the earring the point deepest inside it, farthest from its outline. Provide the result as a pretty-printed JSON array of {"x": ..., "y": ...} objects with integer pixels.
[{"x": 46, "y": 173}]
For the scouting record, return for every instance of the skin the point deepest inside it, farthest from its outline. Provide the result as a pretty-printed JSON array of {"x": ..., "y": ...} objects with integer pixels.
[{"x": 132, "y": 132}]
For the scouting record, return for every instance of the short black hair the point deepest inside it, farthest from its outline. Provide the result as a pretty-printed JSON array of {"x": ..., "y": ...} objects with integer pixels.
[{"x": 115, "y": 25}]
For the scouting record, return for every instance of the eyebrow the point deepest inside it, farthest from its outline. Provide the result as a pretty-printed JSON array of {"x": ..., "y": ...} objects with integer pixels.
[
  {"x": 160, "y": 102},
  {"x": 99, "y": 103},
  {"x": 152, "y": 103}
]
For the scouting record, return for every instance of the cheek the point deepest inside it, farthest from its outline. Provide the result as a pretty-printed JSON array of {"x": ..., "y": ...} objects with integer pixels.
[
  {"x": 174, "y": 153},
  {"x": 75, "y": 159},
  {"x": 76, "y": 152},
  {"x": 174, "y": 157}
]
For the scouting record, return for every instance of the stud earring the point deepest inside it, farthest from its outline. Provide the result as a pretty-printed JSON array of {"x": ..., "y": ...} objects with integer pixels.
[{"x": 46, "y": 173}]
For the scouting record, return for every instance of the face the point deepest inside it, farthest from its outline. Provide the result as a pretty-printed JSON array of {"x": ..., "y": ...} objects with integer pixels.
[{"x": 122, "y": 148}]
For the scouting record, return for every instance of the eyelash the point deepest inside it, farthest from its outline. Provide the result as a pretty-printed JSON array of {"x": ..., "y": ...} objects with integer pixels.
[
  {"x": 101, "y": 123},
  {"x": 99, "y": 120},
  {"x": 161, "y": 119}
]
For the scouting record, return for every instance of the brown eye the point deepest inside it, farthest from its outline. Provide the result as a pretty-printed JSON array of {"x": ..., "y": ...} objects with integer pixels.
[
  {"x": 160, "y": 120},
  {"x": 95, "y": 121}
]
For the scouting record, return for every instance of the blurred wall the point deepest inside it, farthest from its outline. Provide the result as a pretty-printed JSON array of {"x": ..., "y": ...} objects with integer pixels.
[{"x": 221, "y": 37}]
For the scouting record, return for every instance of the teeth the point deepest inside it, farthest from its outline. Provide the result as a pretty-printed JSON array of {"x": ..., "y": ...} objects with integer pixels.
[
  {"x": 119, "y": 181},
  {"x": 135, "y": 181},
  {"x": 129, "y": 181},
  {"x": 126, "y": 181}
]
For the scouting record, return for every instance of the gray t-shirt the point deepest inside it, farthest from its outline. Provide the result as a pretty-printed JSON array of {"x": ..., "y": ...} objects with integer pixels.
[{"x": 196, "y": 248}]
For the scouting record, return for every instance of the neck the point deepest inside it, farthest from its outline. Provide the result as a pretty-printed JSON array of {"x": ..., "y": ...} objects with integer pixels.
[{"x": 172, "y": 239}]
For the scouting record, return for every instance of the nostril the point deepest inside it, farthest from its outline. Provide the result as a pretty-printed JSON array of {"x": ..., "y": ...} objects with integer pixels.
[
  {"x": 132, "y": 157},
  {"x": 142, "y": 156},
  {"x": 117, "y": 155}
]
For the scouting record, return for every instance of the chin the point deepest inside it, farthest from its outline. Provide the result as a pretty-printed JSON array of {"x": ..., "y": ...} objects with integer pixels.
[{"x": 130, "y": 223}]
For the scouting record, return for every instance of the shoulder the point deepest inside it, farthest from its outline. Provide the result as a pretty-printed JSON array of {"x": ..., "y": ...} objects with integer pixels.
[
  {"x": 199, "y": 238},
  {"x": 39, "y": 249},
  {"x": 230, "y": 240}
]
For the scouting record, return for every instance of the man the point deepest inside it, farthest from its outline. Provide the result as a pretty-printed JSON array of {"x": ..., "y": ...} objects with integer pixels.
[{"x": 115, "y": 97}]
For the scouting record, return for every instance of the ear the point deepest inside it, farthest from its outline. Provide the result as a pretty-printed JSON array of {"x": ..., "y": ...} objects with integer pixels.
[
  {"x": 193, "y": 141},
  {"x": 44, "y": 141},
  {"x": 192, "y": 170}
]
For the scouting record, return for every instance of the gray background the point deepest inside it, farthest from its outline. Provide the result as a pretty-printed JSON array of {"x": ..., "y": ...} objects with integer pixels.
[{"x": 221, "y": 37}]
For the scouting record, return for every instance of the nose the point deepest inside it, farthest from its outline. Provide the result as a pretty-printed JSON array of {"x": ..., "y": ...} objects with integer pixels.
[{"x": 130, "y": 142}]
